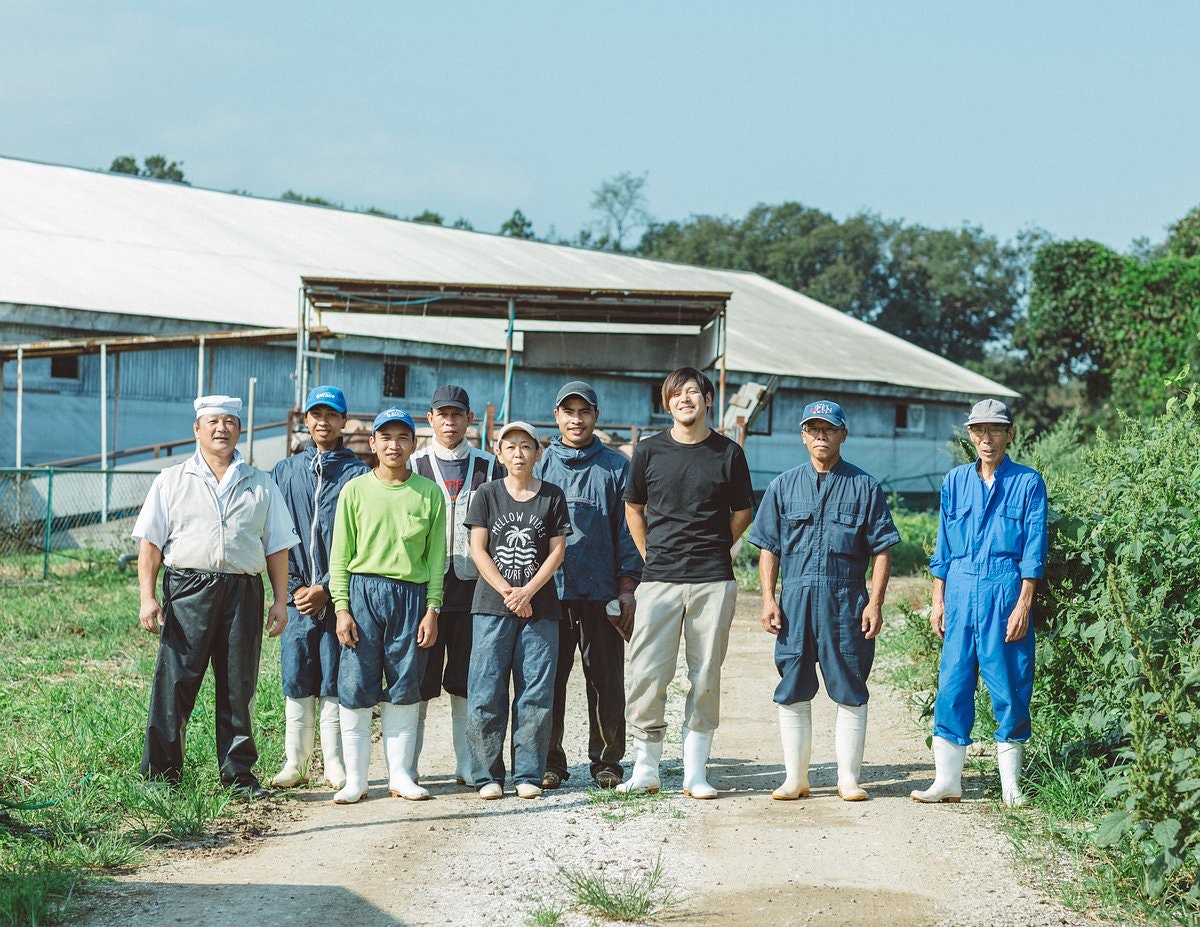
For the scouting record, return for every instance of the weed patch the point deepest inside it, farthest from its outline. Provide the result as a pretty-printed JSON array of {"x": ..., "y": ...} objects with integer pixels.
[{"x": 634, "y": 897}]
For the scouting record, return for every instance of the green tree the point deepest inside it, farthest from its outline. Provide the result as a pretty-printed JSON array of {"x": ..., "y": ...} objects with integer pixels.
[
  {"x": 430, "y": 217},
  {"x": 156, "y": 167},
  {"x": 620, "y": 203},
  {"x": 517, "y": 226},
  {"x": 291, "y": 196}
]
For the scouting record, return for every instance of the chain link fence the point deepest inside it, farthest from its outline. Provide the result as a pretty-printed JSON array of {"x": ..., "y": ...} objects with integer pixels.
[{"x": 57, "y": 521}]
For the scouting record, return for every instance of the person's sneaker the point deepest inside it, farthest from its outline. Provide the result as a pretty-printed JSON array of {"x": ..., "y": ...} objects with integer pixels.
[
  {"x": 250, "y": 790},
  {"x": 528, "y": 790},
  {"x": 552, "y": 780},
  {"x": 491, "y": 791},
  {"x": 607, "y": 779}
]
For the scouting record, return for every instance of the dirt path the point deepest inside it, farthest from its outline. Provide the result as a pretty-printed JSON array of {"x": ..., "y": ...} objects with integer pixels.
[{"x": 741, "y": 860}]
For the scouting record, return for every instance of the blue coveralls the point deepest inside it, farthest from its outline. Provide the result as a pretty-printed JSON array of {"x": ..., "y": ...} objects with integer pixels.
[
  {"x": 988, "y": 541},
  {"x": 824, "y": 539},
  {"x": 311, "y": 482}
]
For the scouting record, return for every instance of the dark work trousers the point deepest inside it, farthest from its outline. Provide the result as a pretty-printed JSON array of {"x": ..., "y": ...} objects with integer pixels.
[
  {"x": 449, "y": 660},
  {"x": 207, "y": 616},
  {"x": 585, "y": 625}
]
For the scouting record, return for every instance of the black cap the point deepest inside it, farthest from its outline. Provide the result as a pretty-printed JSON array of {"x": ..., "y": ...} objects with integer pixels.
[
  {"x": 454, "y": 396},
  {"x": 577, "y": 388}
]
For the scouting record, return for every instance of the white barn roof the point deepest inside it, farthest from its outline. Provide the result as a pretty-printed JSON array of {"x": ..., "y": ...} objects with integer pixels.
[{"x": 91, "y": 240}]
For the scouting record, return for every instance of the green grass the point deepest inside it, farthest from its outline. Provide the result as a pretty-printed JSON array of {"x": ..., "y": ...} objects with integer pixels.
[
  {"x": 545, "y": 914},
  {"x": 635, "y": 897},
  {"x": 74, "y": 673},
  {"x": 618, "y": 806}
]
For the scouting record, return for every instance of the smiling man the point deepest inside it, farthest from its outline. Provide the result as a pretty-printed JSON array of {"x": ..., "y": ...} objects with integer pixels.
[
  {"x": 216, "y": 523},
  {"x": 688, "y": 499},
  {"x": 821, "y": 525},
  {"x": 990, "y": 554}
]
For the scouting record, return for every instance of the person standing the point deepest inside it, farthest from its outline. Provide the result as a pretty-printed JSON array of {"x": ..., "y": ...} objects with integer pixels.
[
  {"x": 216, "y": 524},
  {"x": 459, "y": 470},
  {"x": 990, "y": 553},
  {"x": 821, "y": 525},
  {"x": 311, "y": 482},
  {"x": 688, "y": 499},
  {"x": 518, "y": 536},
  {"x": 385, "y": 578},
  {"x": 602, "y": 565}
]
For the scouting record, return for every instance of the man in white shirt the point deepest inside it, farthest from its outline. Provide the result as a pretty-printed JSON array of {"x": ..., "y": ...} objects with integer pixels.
[{"x": 216, "y": 523}]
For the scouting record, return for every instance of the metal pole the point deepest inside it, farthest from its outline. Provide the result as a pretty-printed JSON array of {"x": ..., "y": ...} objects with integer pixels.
[
  {"x": 508, "y": 359},
  {"x": 200, "y": 368},
  {"x": 720, "y": 417},
  {"x": 250, "y": 421},
  {"x": 300, "y": 345},
  {"x": 114, "y": 442},
  {"x": 20, "y": 399},
  {"x": 103, "y": 433},
  {"x": 49, "y": 522}
]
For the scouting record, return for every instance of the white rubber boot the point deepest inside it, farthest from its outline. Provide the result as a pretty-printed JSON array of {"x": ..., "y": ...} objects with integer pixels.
[
  {"x": 696, "y": 747},
  {"x": 459, "y": 722},
  {"x": 400, "y": 723},
  {"x": 356, "y": 751},
  {"x": 795, "y": 735},
  {"x": 413, "y": 769},
  {"x": 644, "y": 778},
  {"x": 298, "y": 738},
  {"x": 849, "y": 740},
  {"x": 1009, "y": 757},
  {"x": 331, "y": 743},
  {"x": 948, "y": 759}
]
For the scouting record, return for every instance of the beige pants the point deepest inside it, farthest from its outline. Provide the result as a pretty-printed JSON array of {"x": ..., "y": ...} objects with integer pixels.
[{"x": 702, "y": 613}]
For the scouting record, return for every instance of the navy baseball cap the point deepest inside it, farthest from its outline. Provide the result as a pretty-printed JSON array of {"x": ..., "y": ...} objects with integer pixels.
[
  {"x": 387, "y": 416},
  {"x": 326, "y": 396},
  {"x": 577, "y": 388},
  {"x": 826, "y": 411}
]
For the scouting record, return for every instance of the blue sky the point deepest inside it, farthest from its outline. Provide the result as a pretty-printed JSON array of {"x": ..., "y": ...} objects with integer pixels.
[{"x": 1080, "y": 118}]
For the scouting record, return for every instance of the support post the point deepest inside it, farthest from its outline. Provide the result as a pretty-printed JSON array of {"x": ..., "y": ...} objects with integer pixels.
[
  {"x": 300, "y": 345},
  {"x": 20, "y": 401},
  {"x": 250, "y": 420},
  {"x": 200, "y": 368},
  {"x": 720, "y": 418},
  {"x": 506, "y": 412},
  {"x": 103, "y": 433},
  {"x": 47, "y": 534}
]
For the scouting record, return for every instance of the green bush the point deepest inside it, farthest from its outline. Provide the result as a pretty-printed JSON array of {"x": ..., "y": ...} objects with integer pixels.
[{"x": 1118, "y": 675}]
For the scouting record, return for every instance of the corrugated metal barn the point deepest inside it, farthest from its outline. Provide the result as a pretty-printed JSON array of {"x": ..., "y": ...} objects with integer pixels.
[{"x": 88, "y": 254}]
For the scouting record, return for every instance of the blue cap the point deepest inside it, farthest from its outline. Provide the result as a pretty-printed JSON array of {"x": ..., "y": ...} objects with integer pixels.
[
  {"x": 826, "y": 411},
  {"x": 387, "y": 416},
  {"x": 326, "y": 396}
]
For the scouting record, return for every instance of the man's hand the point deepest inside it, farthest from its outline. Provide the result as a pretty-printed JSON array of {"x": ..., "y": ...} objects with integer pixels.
[
  {"x": 276, "y": 618},
  {"x": 151, "y": 616},
  {"x": 624, "y": 621},
  {"x": 937, "y": 617},
  {"x": 427, "y": 629},
  {"x": 310, "y": 600},
  {"x": 1018, "y": 623},
  {"x": 772, "y": 616},
  {"x": 872, "y": 620},
  {"x": 519, "y": 601},
  {"x": 347, "y": 630}
]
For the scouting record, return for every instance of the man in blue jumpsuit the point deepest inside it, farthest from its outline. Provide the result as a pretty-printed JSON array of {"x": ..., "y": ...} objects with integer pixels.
[
  {"x": 821, "y": 524},
  {"x": 990, "y": 554},
  {"x": 308, "y": 653}
]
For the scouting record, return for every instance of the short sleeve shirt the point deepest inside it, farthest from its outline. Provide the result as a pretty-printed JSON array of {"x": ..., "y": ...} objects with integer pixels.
[{"x": 519, "y": 536}]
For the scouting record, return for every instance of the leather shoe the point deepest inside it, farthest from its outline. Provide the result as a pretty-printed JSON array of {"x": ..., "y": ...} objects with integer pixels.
[
  {"x": 552, "y": 780},
  {"x": 250, "y": 790},
  {"x": 607, "y": 779}
]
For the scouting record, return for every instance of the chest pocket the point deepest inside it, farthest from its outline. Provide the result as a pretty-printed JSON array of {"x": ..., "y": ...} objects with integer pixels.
[
  {"x": 958, "y": 531},
  {"x": 1008, "y": 531},
  {"x": 845, "y": 529},
  {"x": 797, "y": 531}
]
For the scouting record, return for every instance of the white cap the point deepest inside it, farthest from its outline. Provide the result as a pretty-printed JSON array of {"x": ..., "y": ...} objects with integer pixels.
[
  {"x": 218, "y": 405},
  {"x": 518, "y": 426}
]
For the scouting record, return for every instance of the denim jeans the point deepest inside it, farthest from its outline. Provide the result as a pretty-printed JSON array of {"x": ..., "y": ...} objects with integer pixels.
[
  {"x": 387, "y": 613},
  {"x": 525, "y": 650}
]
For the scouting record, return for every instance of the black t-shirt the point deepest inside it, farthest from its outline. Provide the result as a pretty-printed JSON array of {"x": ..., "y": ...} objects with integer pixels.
[
  {"x": 519, "y": 536},
  {"x": 689, "y": 491}
]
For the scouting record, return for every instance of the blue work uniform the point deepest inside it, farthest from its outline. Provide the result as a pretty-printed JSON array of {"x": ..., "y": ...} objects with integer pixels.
[
  {"x": 988, "y": 541},
  {"x": 311, "y": 482},
  {"x": 824, "y": 536}
]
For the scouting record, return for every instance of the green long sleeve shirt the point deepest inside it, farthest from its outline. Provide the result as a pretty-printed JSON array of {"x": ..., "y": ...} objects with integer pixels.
[{"x": 393, "y": 530}]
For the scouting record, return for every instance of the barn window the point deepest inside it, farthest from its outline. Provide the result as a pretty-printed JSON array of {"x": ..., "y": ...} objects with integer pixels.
[
  {"x": 65, "y": 368},
  {"x": 762, "y": 425},
  {"x": 910, "y": 418},
  {"x": 395, "y": 380}
]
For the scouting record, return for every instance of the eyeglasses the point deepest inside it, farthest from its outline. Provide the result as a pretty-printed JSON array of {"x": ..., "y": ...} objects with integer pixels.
[
  {"x": 820, "y": 432},
  {"x": 978, "y": 431}
]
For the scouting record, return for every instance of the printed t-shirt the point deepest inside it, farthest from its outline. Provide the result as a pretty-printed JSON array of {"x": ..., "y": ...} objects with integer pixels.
[{"x": 519, "y": 536}]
